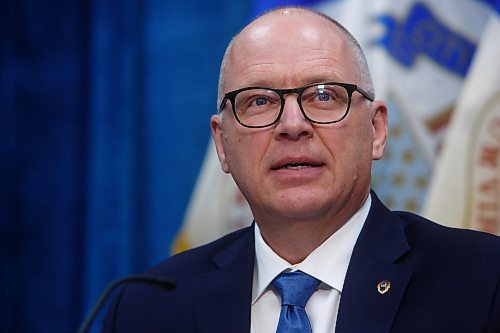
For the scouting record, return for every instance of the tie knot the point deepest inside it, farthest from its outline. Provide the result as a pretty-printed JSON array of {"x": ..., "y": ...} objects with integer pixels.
[{"x": 295, "y": 288}]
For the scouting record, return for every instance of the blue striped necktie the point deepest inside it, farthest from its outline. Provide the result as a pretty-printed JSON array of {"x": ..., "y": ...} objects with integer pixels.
[{"x": 295, "y": 289}]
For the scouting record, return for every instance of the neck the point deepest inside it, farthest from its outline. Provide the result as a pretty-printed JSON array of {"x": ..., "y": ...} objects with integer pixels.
[{"x": 294, "y": 239}]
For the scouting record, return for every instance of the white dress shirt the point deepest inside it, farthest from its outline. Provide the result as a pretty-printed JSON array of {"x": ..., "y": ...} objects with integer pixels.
[{"x": 328, "y": 263}]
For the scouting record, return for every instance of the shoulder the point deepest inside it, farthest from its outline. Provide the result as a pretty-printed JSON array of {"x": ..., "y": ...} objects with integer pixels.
[
  {"x": 469, "y": 247},
  {"x": 419, "y": 226},
  {"x": 457, "y": 271},
  {"x": 425, "y": 241},
  {"x": 144, "y": 308},
  {"x": 199, "y": 259}
]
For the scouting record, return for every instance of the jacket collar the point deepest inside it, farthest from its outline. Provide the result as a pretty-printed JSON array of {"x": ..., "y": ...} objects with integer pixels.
[
  {"x": 364, "y": 306},
  {"x": 222, "y": 297}
]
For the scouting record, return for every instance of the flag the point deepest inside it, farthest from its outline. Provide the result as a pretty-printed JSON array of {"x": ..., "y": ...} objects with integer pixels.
[
  {"x": 419, "y": 53},
  {"x": 465, "y": 191},
  {"x": 216, "y": 207},
  {"x": 419, "y": 61}
]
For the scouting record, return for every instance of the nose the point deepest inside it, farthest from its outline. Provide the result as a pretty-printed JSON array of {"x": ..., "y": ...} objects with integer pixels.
[{"x": 292, "y": 124}]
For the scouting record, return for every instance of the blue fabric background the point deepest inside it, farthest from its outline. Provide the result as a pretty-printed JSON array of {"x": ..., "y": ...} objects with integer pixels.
[{"x": 104, "y": 124}]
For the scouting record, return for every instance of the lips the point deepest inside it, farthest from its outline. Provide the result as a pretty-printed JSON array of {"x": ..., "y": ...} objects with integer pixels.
[{"x": 296, "y": 164}]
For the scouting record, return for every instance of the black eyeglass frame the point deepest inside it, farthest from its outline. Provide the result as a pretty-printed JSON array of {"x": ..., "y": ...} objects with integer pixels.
[{"x": 349, "y": 87}]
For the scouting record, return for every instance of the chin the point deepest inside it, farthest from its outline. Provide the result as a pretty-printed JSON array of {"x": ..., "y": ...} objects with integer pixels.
[{"x": 303, "y": 207}]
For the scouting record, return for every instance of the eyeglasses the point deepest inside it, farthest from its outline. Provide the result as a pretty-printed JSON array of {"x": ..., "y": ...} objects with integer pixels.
[{"x": 320, "y": 103}]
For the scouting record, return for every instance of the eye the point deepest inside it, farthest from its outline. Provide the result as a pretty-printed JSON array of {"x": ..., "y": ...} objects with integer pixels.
[
  {"x": 323, "y": 96},
  {"x": 256, "y": 100},
  {"x": 259, "y": 101}
]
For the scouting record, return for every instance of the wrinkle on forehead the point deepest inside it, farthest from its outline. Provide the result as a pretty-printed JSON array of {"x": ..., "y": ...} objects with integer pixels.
[
  {"x": 321, "y": 73},
  {"x": 263, "y": 68},
  {"x": 271, "y": 76},
  {"x": 262, "y": 53}
]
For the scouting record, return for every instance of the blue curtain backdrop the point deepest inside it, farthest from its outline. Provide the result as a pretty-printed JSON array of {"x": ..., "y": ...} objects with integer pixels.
[{"x": 104, "y": 124}]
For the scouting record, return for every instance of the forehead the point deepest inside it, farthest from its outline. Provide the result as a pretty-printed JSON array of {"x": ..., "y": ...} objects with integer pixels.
[{"x": 286, "y": 50}]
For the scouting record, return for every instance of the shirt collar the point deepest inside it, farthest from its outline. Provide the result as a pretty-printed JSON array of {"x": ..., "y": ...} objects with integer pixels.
[{"x": 328, "y": 262}]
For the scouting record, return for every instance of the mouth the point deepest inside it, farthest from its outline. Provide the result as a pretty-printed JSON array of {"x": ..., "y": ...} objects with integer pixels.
[{"x": 295, "y": 165}]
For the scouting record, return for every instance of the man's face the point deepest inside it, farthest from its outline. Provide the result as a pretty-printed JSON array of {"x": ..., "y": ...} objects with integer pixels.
[{"x": 296, "y": 169}]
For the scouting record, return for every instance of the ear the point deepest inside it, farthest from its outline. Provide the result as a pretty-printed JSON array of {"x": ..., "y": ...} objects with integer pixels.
[
  {"x": 217, "y": 136},
  {"x": 380, "y": 128}
]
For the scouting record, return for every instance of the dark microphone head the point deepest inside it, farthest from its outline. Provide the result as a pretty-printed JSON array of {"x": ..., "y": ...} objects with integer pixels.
[{"x": 158, "y": 281}]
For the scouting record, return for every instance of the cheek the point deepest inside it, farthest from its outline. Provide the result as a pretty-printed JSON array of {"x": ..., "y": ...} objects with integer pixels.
[
  {"x": 244, "y": 155},
  {"x": 350, "y": 147},
  {"x": 243, "y": 152}
]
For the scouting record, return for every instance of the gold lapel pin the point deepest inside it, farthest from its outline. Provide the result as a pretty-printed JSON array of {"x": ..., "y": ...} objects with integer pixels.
[{"x": 383, "y": 287}]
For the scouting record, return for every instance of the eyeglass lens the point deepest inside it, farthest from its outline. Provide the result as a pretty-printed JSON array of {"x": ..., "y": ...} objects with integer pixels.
[{"x": 321, "y": 103}]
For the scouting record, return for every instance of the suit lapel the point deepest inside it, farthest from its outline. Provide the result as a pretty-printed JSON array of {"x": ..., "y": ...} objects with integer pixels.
[
  {"x": 222, "y": 297},
  {"x": 382, "y": 241}
]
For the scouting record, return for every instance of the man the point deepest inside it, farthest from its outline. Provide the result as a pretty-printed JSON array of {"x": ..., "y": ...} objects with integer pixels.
[{"x": 298, "y": 129}]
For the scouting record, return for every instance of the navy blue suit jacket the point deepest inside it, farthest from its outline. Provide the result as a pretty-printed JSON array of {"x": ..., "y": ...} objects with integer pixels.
[{"x": 442, "y": 280}]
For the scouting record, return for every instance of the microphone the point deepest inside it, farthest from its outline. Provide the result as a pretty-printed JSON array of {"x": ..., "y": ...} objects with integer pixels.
[{"x": 154, "y": 281}]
